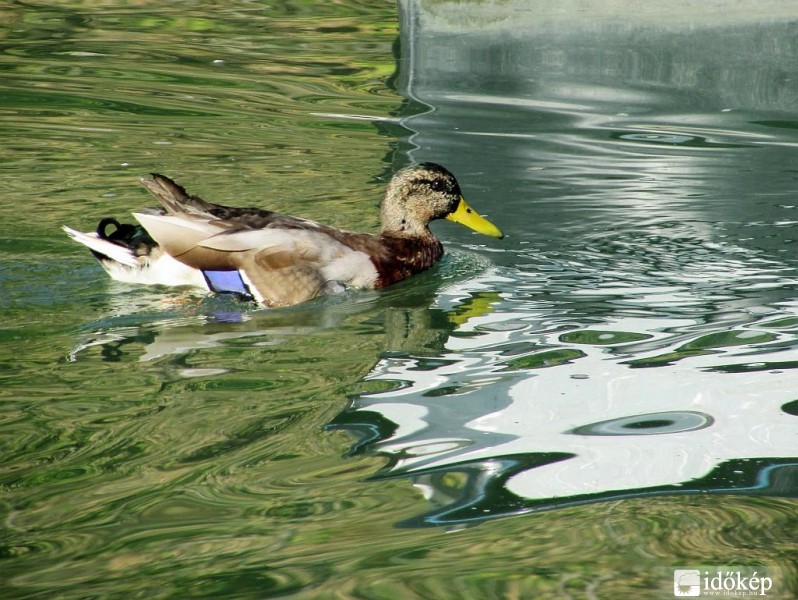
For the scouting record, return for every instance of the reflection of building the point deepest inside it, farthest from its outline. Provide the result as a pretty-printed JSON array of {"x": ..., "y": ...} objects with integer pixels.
[
  {"x": 541, "y": 101},
  {"x": 527, "y": 55}
]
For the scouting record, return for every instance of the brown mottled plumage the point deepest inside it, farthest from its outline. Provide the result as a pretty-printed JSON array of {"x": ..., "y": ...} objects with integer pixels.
[{"x": 278, "y": 259}]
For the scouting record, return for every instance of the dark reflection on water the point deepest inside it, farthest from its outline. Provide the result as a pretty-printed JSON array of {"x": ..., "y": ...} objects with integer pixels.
[{"x": 626, "y": 355}]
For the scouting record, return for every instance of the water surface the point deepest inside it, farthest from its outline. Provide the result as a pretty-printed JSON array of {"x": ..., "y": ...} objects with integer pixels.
[{"x": 574, "y": 411}]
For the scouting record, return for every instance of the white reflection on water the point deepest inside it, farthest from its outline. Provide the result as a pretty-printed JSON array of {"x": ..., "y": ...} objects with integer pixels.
[{"x": 663, "y": 414}]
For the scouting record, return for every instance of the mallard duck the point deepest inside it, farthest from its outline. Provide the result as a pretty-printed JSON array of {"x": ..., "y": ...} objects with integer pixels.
[{"x": 275, "y": 259}]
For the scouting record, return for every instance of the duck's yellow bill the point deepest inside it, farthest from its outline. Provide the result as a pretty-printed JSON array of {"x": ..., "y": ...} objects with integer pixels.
[{"x": 465, "y": 215}]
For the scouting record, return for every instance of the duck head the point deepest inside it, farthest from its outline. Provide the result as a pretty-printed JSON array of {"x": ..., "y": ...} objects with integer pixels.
[{"x": 422, "y": 193}]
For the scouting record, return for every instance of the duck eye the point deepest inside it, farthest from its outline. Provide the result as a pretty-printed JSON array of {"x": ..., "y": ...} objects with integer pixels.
[{"x": 437, "y": 185}]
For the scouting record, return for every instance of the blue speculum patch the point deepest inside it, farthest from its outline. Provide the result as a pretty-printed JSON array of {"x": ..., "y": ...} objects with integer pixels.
[{"x": 227, "y": 282}]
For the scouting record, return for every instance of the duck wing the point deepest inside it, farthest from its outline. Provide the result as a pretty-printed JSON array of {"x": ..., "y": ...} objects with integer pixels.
[
  {"x": 175, "y": 200},
  {"x": 279, "y": 266},
  {"x": 282, "y": 260}
]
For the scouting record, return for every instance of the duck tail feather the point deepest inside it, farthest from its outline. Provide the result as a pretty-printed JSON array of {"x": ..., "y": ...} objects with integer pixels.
[
  {"x": 174, "y": 198},
  {"x": 102, "y": 248}
]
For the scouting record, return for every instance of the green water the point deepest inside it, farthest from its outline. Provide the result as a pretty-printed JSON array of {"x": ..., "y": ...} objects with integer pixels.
[{"x": 606, "y": 395}]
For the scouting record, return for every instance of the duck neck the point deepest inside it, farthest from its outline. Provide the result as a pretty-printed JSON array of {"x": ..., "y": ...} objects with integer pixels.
[
  {"x": 406, "y": 230},
  {"x": 403, "y": 256}
]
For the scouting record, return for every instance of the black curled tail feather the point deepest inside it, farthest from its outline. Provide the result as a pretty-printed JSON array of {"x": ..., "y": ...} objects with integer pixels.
[
  {"x": 134, "y": 237},
  {"x": 124, "y": 234},
  {"x": 103, "y": 226}
]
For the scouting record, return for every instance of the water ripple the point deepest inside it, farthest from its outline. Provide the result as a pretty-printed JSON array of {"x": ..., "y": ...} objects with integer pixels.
[{"x": 626, "y": 355}]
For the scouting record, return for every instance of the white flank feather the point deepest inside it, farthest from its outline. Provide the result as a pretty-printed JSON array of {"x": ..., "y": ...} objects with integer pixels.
[
  {"x": 352, "y": 268},
  {"x": 163, "y": 270}
]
